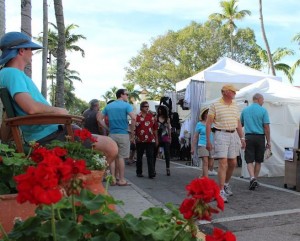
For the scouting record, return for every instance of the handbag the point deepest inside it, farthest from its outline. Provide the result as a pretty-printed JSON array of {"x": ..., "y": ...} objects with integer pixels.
[
  {"x": 267, "y": 154},
  {"x": 165, "y": 139}
]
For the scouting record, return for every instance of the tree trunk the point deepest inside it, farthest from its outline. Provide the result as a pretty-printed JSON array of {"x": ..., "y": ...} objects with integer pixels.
[
  {"x": 2, "y": 32},
  {"x": 26, "y": 26},
  {"x": 271, "y": 63},
  {"x": 2, "y": 17},
  {"x": 231, "y": 41},
  {"x": 45, "y": 49},
  {"x": 59, "y": 95}
]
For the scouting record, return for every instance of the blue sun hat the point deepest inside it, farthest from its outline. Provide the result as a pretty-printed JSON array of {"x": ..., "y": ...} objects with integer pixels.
[{"x": 11, "y": 42}]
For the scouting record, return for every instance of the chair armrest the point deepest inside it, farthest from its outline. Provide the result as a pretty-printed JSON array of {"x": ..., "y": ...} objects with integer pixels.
[{"x": 43, "y": 119}]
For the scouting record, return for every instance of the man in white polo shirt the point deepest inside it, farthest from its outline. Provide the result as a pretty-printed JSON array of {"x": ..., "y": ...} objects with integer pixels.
[{"x": 224, "y": 115}]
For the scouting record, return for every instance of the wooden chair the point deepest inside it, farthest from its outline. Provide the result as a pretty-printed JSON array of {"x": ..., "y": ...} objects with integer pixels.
[{"x": 15, "y": 122}]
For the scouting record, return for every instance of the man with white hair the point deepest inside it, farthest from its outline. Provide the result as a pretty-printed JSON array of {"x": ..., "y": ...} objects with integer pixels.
[{"x": 255, "y": 120}]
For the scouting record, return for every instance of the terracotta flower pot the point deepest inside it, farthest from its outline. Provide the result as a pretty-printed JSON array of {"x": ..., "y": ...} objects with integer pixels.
[
  {"x": 11, "y": 210},
  {"x": 93, "y": 181}
]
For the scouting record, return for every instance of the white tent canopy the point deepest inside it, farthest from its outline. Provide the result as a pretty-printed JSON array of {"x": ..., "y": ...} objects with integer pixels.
[
  {"x": 283, "y": 104},
  {"x": 226, "y": 70}
]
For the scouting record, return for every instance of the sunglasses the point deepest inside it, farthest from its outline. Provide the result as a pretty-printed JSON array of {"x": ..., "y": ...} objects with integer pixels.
[{"x": 147, "y": 106}]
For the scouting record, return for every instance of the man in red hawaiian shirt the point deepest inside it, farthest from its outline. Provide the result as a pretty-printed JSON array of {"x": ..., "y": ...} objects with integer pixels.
[{"x": 146, "y": 139}]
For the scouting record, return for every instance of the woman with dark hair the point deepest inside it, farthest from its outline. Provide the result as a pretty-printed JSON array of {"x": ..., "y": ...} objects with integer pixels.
[{"x": 164, "y": 135}]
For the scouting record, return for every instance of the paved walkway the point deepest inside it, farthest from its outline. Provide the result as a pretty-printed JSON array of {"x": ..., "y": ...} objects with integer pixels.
[{"x": 270, "y": 213}]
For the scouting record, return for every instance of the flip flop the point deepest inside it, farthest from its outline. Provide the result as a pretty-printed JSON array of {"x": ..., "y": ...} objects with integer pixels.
[
  {"x": 123, "y": 184},
  {"x": 113, "y": 184}
]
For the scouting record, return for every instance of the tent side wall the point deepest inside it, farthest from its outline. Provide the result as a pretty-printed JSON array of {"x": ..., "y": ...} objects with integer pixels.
[{"x": 284, "y": 118}]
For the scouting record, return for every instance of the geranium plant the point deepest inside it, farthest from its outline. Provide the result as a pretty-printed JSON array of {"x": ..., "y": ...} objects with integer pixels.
[
  {"x": 67, "y": 211},
  {"x": 11, "y": 164},
  {"x": 78, "y": 149}
]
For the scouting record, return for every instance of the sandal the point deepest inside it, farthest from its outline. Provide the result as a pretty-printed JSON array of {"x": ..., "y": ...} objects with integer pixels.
[{"x": 123, "y": 184}]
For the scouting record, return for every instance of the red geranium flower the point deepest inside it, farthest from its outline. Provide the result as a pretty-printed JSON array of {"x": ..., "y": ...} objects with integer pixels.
[
  {"x": 61, "y": 152},
  {"x": 38, "y": 154},
  {"x": 202, "y": 191},
  {"x": 220, "y": 235},
  {"x": 187, "y": 208}
]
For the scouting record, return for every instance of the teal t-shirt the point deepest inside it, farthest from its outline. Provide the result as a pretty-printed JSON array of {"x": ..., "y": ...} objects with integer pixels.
[
  {"x": 16, "y": 81},
  {"x": 253, "y": 119},
  {"x": 117, "y": 112},
  {"x": 201, "y": 129}
]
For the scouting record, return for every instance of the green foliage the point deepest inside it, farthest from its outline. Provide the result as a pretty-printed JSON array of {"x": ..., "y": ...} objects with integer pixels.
[
  {"x": 133, "y": 94},
  {"x": 155, "y": 224},
  {"x": 277, "y": 56},
  {"x": 77, "y": 150},
  {"x": 74, "y": 105},
  {"x": 177, "y": 55},
  {"x": 229, "y": 14},
  {"x": 11, "y": 164}
]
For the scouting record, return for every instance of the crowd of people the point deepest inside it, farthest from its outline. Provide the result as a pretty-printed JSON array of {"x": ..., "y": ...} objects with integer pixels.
[{"x": 219, "y": 134}]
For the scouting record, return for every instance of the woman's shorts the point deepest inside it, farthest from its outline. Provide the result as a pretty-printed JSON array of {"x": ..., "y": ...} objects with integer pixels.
[{"x": 202, "y": 152}]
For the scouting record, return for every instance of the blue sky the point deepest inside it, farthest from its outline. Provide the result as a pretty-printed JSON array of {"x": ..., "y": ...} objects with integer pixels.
[{"x": 117, "y": 29}]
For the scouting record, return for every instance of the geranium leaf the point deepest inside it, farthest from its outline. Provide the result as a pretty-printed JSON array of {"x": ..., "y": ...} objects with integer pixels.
[
  {"x": 67, "y": 230},
  {"x": 112, "y": 236}
]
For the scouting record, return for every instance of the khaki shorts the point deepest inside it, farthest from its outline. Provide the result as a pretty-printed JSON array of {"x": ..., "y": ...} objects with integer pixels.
[
  {"x": 227, "y": 145},
  {"x": 202, "y": 151},
  {"x": 123, "y": 143}
]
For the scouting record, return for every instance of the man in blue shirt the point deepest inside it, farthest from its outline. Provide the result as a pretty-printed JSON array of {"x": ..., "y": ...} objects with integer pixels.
[
  {"x": 16, "y": 53},
  {"x": 255, "y": 120},
  {"x": 117, "y": 113}
]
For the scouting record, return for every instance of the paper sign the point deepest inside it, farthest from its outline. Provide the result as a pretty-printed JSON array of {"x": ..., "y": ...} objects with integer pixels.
[{"x": 288, "y": 154}]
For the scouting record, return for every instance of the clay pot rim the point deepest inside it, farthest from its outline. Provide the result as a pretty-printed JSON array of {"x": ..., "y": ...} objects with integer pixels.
[{"x": 8, "y": 196}]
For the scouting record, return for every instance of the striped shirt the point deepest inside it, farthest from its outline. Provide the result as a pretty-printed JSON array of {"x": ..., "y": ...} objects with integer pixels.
[{"x": 225, "y": 116}]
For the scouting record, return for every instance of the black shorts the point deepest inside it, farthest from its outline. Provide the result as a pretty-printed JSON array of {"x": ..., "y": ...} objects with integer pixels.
[
  {"x": 255, "y": 148},
  {"x": 60, "y": 135}
]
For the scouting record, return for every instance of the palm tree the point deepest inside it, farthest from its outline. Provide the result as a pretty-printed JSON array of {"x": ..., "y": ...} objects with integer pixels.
[
  {"x": 276, "y": 57},
  {"x": 61, "y": 53},
  {"x": 113, "y": 92},
  {"x": 69, "y": 77},
  {"x": 26, "y": 26},
  {"x": 296, "y": 38},
  {"x": 2, "y": 17},
  {"x": 45, "y": 49},
  {"x": 133, "y": 94},
  {"x": 2, "y": 32},
  {"x": 71, "y": 40},
  {"x": 271, "y": 63},
  {"x": 229, "y": 14}
]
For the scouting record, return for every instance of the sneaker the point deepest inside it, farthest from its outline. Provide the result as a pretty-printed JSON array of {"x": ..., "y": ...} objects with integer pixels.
[
  {"x": 224, "y": 196},
  {"x": 212, "y": 173},
  {"x": 227, "y": 189},
  {"x": 253, "y": 184}
]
